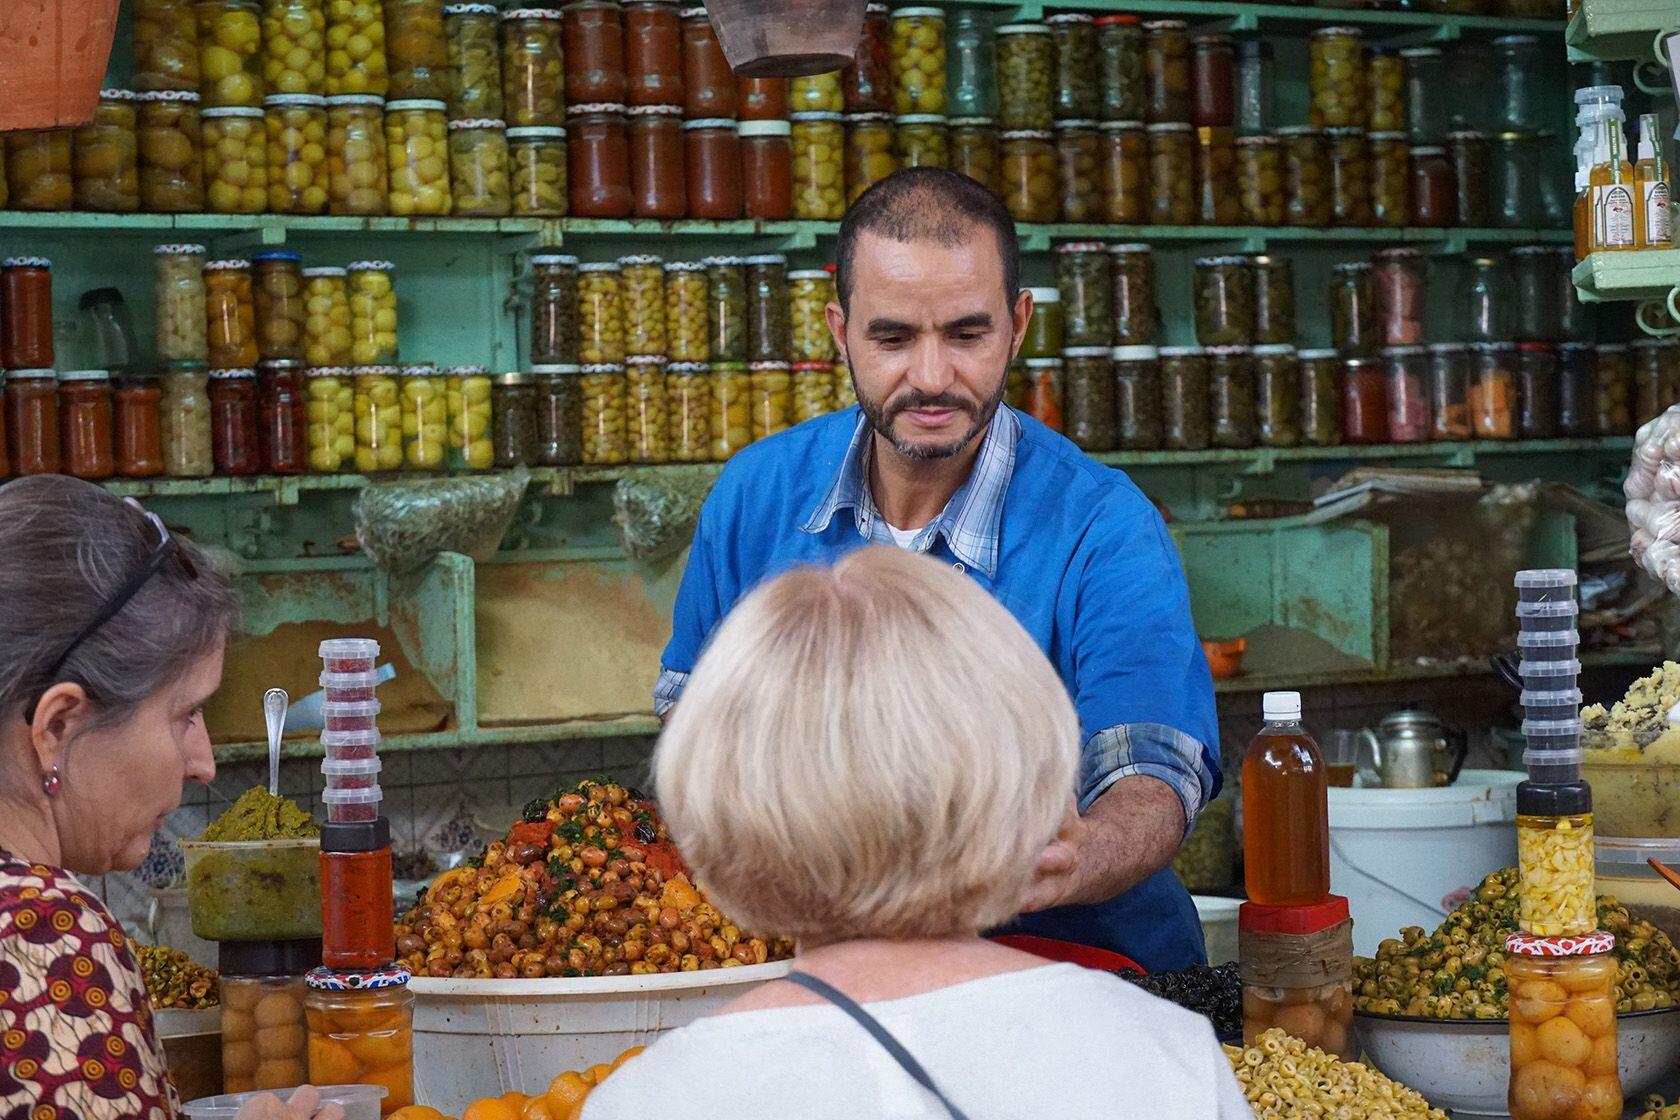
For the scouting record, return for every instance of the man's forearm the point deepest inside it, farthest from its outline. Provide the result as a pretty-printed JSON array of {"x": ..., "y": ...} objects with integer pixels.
[{"x": 1133, "y": 830}]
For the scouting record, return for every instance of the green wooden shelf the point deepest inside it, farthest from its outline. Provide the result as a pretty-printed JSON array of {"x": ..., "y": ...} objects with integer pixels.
[
  {"x": 1641, "y": 274},
  {"x": 1612, "y": 30},
  {"x": 1420, "y": 671},
  {"x": 571, "y": 731},
  {"x": 1244, "y": 16}
]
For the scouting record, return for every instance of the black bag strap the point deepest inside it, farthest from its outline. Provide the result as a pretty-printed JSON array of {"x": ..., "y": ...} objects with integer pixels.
[{"x": 869, "y": 1023}]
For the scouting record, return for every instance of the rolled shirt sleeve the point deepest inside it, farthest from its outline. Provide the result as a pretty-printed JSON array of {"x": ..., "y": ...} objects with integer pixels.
[{"x": 1152, "y": 750}]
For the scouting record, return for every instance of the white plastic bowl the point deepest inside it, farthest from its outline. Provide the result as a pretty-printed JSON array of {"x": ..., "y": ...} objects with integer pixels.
[
  {"x": 1219, "y": 926},
  {"x": 483, "y": 1038},
  {"x": 360, "y": 1102}
]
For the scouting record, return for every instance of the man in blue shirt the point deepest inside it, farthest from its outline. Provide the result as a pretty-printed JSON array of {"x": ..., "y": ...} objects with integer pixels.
[{"x": 929, "y": 316}]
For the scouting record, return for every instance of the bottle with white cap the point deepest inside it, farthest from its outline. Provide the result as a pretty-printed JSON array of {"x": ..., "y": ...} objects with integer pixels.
[
  {"x": 1286, "y": 816},
  {"x": 1652, "y": 225}
]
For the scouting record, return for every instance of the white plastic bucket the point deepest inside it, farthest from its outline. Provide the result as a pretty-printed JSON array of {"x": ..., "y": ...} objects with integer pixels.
[
  {"x": 483, "y": 1038},
  {"x": 1402, "y": 856},
  {"x": 1219, "y": 926}
]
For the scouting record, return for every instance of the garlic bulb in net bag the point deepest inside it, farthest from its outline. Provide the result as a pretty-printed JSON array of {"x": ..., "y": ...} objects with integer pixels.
[{"x": 1652, "y": 490}]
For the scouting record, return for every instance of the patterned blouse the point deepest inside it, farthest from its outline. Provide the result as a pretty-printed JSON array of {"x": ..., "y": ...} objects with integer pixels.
[{"x": 76, "y": 1037}]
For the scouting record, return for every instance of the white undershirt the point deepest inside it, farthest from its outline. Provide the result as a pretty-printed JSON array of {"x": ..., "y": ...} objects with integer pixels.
[{"x": 903, "y": 538}]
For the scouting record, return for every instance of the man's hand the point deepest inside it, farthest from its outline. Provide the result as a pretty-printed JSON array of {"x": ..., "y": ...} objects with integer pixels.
[
  {"x": 1130, "y": 832},
  {"x": 1057, "y": 864},
  {"x": 305, "y": 1104}
]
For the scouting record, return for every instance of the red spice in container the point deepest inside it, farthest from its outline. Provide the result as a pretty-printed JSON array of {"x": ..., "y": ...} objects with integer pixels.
[
  {"x": 350, "y": 745},
  {"x": 349, "y": 655},
  {"x": 356, "y": 907},
  {"x": 355, "y": 716},
  {"x": 343, "y": 688}
]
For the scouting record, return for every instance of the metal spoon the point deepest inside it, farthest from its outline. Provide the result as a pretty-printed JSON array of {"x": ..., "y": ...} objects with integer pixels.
[{"x": 275, "y": 702}]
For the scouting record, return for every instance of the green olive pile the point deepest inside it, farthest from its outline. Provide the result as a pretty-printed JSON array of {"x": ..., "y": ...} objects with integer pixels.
[
  {"x": 1457, "y": 972},
  {"x": 175, "y": 980}
]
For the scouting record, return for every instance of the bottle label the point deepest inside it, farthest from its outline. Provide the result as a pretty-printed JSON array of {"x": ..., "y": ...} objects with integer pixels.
[
  {"x": 1659, "y": 222},
  {"x": 1614, "y": 206}
]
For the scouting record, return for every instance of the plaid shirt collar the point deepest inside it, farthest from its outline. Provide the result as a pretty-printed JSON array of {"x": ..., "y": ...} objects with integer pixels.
[{"x": 970, "y": 521}]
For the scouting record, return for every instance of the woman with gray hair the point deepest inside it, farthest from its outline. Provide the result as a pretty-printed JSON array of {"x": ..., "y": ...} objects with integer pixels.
[
  {"x": 871, "y": 758},
  {"x": 111, "y": 640}
]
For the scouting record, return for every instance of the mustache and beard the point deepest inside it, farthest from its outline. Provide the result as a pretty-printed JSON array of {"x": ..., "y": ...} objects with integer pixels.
[{"x": 881, "y": 416}]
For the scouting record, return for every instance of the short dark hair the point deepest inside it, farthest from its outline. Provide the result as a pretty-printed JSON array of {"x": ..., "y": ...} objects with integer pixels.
[{"x": 927, "y": 204}]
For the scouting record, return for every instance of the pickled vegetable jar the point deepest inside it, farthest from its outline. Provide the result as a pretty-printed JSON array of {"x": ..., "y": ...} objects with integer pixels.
[
  {"x": 297, "y": 153},
  {"x": 974, "y": 150},
  {"x": 918, "y": 57},
  {"x": 1172, "y": 167},
  {"x": 282, "y": 418},
  {"x": 712, "y": 157},
  {"x": 230, "y": 62},
  {"x": 234, "y": 414},
  {"x": 183, "y": 416},
  {"x": 1471, "y": 170},
  {"x": 1398, "y": 280},
  {"x": 642, "y": 291},
  {"x": 1364, "y": 401},
  {"x": 1224, "y": 301},
  {"x": 658, "y": 179},
  {"x": 425, "y": 418},
  {"x": 1256, "y": 92},
  {"x": 1306, "y": 176},
  {"x": 1390, "y": 179},
  {"x": 1537, "y": 391},
  {"x": 1321, "y": 398},
  {"x": 1212, "y": 67},
  {"x": 1132, "y": 271},
  {"x": 361, "y": 1030},
  {"x": 1231, "y": 412},
  {"x": 1028, "y": 175},
  {"x": 417, "y": 155},
  {"x": 810, "y": 291},
  {"x": 1026, "y": 67},
  {"x": 593, "y": 52},
  {"x": 170, "y": 138},
  {"x": 1431, "y": 187},
  {"x": 1449, "y": 391},
  {"x": 329, "y": 419},
  {"x": 708, "y": 83},
  {"x": 598, "y": 159},
  {"x": 358, "y": 65},
  {"x": 165, "y": 45},
  {"x": 1079, "y": 168},
  {"x": 1137, "y": 397},
  {"x": 1385, "y": 81},
  {"x": 379, "y": 421},
  {"x": 845, "y": 392},
  {"x": 1563, "y": 1026},
  {"x": 770, "y": 398},
  {"x": 467, "y": 397},
  {"x": 1576, "y": 386},
  {"x": 1274, "y": 300},
  {"x": 920, "y": 140},
  {"x": 600, "y": 314},
  {"x": 1120, "y": 67},
  {"x": 559, "y": 393},
  {"x": 766, "y": 168},
  {"x": 1350, "y": 177},
  {"x": 1087, "y": 294},
  {"x": 1043, "y": 336},
  {"x": 86, "y": 447},
  {"x": 1277, "y": 396},
  {"x": 416, "y": 50},
  {"x": 38, "y": 170},
  {"x": 1558, "y": 895},
  {"x": 478, "y": 168},
  {"x": 294, "y": 47},
  {"x": 653, "y": 52},
  {"x": 1493, "y": 390},
  {"x": 1217, "y": 203},
  {"x": 26, "y": 321},
  {"x": 1260, "y": 180},
  {"x": 726, "y": 309},
  {"x": 816, "y": 93},
  {"x": 1406, "y": 372},
  {"x": 1088, "y": 410},
  {"x": 686, "y": 296},
  {"x": 373, "y": 313},
  {"x": 1336, "y": 77},
  {"x": 1514, "y": 201},
  {"x": 357, "y": 175},
  {"x": 1429, "y": 89},
  {"x": 107, "y": 156},
  {"x": 538, "y": 156},
  {"x": 178, "y": 303},
  {"x": 279, "y": 304},
  {"x": 819, "y": 179},
  {"x": 1078, "y": 95},
  {"x": 1613, "y": 391},
  {"x": 534, "y": 80},
  {"x": 813, "y": 390},
  {"x": 32, "y": 426},
  {"x": 689, "y": 390},
  {"x": 475, "y": 60},
  {"x": 869, "y": 152},
  {"x": 138, "y": 435},
  {"x": 1184, "y": 398},
  {"x": 235, "y": 160},
  {"x": 1040, "y": 390},
  {"x": 730, "y": 416},
  {"x": 972, "y": 65},
  {"x": 230, "y": 315},
  {"x": 647, "y": 416},
  {"x": 867, "y": 83},
  {"x": 1166, "y": 71},
  {"x": 768, "y": 315}
]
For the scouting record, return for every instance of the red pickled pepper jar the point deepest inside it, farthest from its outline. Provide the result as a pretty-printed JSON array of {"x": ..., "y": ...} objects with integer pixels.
[
  {"x": 356, "y": 902},
  {"x": 285, "y": 449},
  {"x": 139, "y": 427},
  {"x": 592, "y": 37},
  {"x": 762, "y": 99},
  {"x": 1364, "y": 401},
  {"x": 708, "y": 82},
  {"x": 598, "y": 162},
  {"x": 658, "y": 183},
  {"x": 1434, "y": 193},
  {"x": 84, "y": 417},
  {"x": 1214, "y": 104},
  {"x": 234, "y": 440},
  {"x": 712, "y": 156},
  {"x": 653, "y": 53},
  {"x": 32, "y": 421},
  {"x": 868, "y": 83},
  {"x": 26, "y": 324},
  {"x": 767, "y": 168}
]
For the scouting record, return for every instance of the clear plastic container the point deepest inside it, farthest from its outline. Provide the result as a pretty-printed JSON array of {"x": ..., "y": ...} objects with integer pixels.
[
  {"x": 358, "y": 1102},
  {"x": 253, "y": 890},
  {"x": 349, "y": 655}
]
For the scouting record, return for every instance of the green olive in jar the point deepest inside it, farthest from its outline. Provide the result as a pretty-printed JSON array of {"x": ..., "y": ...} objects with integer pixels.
[
  {"x": 1080, "y": 169},
  {"x": 1350, "y": 177},
  {"x": 1224, "y": 300},
  {"x": 1172, "y": 163},
  {"x": 920, "y": 140},
  {"x": 1336, "y": 77},
  {"x": 1026, "y": 65},
  {"x": 1385, "y": 77},
  {"x": 1217, "y": 202},
  {"x": 1260, "y": 180},
  {"x": 1306, "y": 176}
]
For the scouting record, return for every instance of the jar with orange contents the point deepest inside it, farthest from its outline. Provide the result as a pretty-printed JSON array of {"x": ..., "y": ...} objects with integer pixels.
[
  {"x": 762, "y": 99},
  {"x": 708, "y": 83},
  {"x": 653, "y": 55},
  {"x": 361, "y": 1031},
  {"x": 234, "y": 438},
  {"x": 107, "y": 160},
  {"x": 594, "y": 51},
  {"x": 1297, "y": 973},
  {"x": 230, "y": 314},
  {"x": 1563, "y": 1027},
  {"x": 598, "y": 161},
  {"x": 26, "y": 319},
  {"x": 658, "y": 182},
  {"x": 138, "y": 431},
  {"x": 767, "y": 168},
  {"x": 535, "y": 81},
  {"x": 84, "y": 418},
  {"x": 416, "y": 49},
  {"x": 32, "y": 421},
  {"x": 171, "y": 142},
  {"x": 712, "y": 158},
  {"x": 38, "y": 169}
]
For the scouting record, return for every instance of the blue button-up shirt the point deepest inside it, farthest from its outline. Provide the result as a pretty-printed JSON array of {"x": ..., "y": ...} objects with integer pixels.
[{"x": 1075, "y": 552}]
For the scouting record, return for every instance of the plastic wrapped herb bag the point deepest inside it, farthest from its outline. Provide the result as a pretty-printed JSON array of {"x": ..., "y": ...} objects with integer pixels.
[
  {"x": 402, "y": 525},
  {"x": 1652, "y": 490},
  {"x": 655, "y": 517}
]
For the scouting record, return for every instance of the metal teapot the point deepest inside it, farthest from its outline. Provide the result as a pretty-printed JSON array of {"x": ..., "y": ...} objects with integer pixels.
[{"x": 1414, "y": 750}]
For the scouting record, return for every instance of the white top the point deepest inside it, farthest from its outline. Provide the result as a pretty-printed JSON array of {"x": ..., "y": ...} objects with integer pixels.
[
  {"x": 903, "y": 538},
  {"x": 999, "y": 1047}
]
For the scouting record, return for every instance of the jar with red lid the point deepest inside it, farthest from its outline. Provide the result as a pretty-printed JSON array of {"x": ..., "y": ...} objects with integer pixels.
[
  {"x": 1433, "y": 193},
  {"x": 85, "y": 421},
  {"x": 653, "y": 53},
  {"x": 281, "y": 433},
  {"x": 1567, "y": 983},
  {"x": 594, "y": 51},
  {"x": 1537, "y": 390},
  {"x": 137, "y": 430},
  {"x": 1402, "y": 299},
  {"x": 598, "y": 162},
  {"x": 234, "y": 421},
  {"x": 26, "y": 323},
  {"x": 658, "y": 182},
  {"x": 1364, "y": 401},
  {"x": 767, "y": 168},
  {"x": 32, "y": 421},
  {"x": 536, "y": 76},
  {"x": 709, "y": 88},
  {"x": 712, "y": 157},
  {"x": 1213, "y": 101},
  {"x": 867, "y": 83},
  {"x": 1406, "y": 372}
]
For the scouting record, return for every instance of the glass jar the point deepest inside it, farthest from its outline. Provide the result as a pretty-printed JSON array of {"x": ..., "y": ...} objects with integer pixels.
[
  {"x": 1321, "y": 397},
  {"x": 1553, "y": 985},
  {"x": 730, "y": 416},
  {"x": 416, "y": 50},
  {"x": 275, "y": 1054},
  {"x": 554, "y": 309},
  {"x": 1274, "y": 300},
  {"x": 1402, "y": 303},
  {"x": 514, "y": 426},
  {"x": 538, "y": 155},
  {"x": 1493, "y": 390},
  {"x": 360, "y": 65},
  {"x": 1471, "y": 170},
  {"x": 600, "y": 311},
  {"x": 478, "y": 162},
  {"x": 1079, "y": 164},
  {"x": 1336, "y": 77},
  {"x": 329, "y": 419},
  {"x": 294, "y": 47},
  {"x": 816, "y": 93},
  {"x": 1260, "y": 180},
  {"x": 869, "y": 152},
  {"x": 230, "y": 315},
  {"x": 1041, "y": 390},
  {"x": 712, "y": 159},
  {"x": 658, "y": 178},
  {"x": 378, "y": 418},
  {"x": 974, "y": 150},
  {"x": 1364, "y": 401},
  {"x": 170, "y": 138},
  {"x": 1537, "y": 390},
  {"x": 1184, "y": 398},
  {"x": 559, "y": 391},
  {"x": 1577, "y": 377},
  {"x": 1515, "y": 201},
  {"x": 918, "y": 58},
  {"x": 1125, "y": 161},
  {"x": 1576, "y": 321},
  {"x": 810, "y": 291},
  {"x": 1390, "y": 179},
  {"x": 1132, "y": 278},
  {"x": 762, "y": 99},
  {"x": 1255, "y": 88},
  {"x": 1120, "y": 67},
  {"x": 1224, "y": 301},
  {"x": 769, "y": 333},
  {"x": 686, "y": 295},
  {"x": 689, "y": 390},
  {"x": 1306, "y": 176},
  {"x": 1322, "y": 1012},
  {"x": 1166, "y": 71},
  {"x": 357, "y": 174},
  {"x": 726, "y": 310},
  {"x": 282, "y": 418},
  {"x": 165, "y": 45},
  {"x": 709, "y": 88},
  {"x": 1029, "y": 177},
  {"x": 1524, "y": 105},
  {"x": 642, "y": 294},
  {"x": 1026, "y": 68},
  {"x": 107, "y": 156},
  {"x": 1433, "y": 193},
  {"x": 1534, "y": 291},
  {"x": 475, "y": 60},
  {"x": 1385, "y": 83},
  {"x": 32, "y": 425},
  {"x": 1232, "y": 421},
  {"x": 468, "y": 394},
  {"x": 425, "y": 419},
  {"x": 296, "y": 125},
  {"x": 535, "y": 85},
  {"x": 647, "y": 409},
  {"x": 598, "y": 162},
  {"x": 1555, "y": 863},
  {"x": 373, "y": 312},
  {"x": 1212, "y": 68},
  {"x": 1406, "y": 372},
  {"x": 920, "y": 140},
  {"x": 1043, "y": 336},
  {"x": 279, "y": 305},
  {"x": 417, "y": 155},
  {"x": 235, "y": 160},
  {"x": 178, "y": 303},
  {"x": 766, "y": 168},
  {"x": 1088, "y": 409},
  {"x": 1613, "y": 391},
  {"x": 26, "y": 321},
  {"x": 136, "y": 433},
  {"x": 819, "y": 177},
  {"x": 1087, "y": 294},
  {"x": 1137, "y": 397},
  {"x": 230, "y": 54},
  {"x": 653, "y": 56},
  {"x": 1350, "y": 177},
  {"x": 1650, "y": 397},
  {"x": 184, "y": 420},
  {"x": 1078, "y": 93},
  {"x": 234, "y": 415},
  {"x": 1449, "y": 391},
  {"x": 1277, "y": 396},
  {"x": 770, "y": 398},
  {"x": 86, "y": 448},
  {"x": 38, "y": 170},
  {"x": 866, "y": 85},
  {"x": 1482, "y": 315},
  {"x": 1429, "y": 90},
  {"x": 363, "y": 1036},
  {"x": 1217, "y": 202},
  {"x": 1172, "y": 164},
  {"x": 972, "y": 69},
  {"x": 813, "y": 390}
]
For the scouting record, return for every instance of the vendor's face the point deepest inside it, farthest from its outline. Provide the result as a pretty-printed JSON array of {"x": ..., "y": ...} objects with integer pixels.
[
  {"x": 119, "y": 782},
  {"x": 929, "y": 336}
]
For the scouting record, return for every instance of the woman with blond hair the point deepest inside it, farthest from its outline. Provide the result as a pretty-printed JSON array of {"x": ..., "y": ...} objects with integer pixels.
[{"x": 871, "y": 758}]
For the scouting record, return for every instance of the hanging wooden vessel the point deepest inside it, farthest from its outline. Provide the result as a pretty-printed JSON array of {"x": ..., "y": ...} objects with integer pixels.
[
  {"x": 54, "y": 54},
  {"x": 787, "y": 38}
]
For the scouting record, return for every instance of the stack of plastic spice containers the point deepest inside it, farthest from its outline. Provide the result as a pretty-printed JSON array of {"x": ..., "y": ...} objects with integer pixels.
[{"x": 1559, "y": 966}]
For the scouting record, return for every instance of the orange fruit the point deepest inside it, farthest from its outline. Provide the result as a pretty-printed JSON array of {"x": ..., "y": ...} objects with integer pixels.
[
  {"x": 599, "y": 1072},
  {"x": 417, "y": 1112},
  {"x": 490, "y": 1108},
  {"x": 565, "y": 1091},
  {"x": 536, "y": 1109},
  {"x": 576, "y": 1111},
  {"x": 627, "y": 1055},
  {"x": 515, "y": 1098}
]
